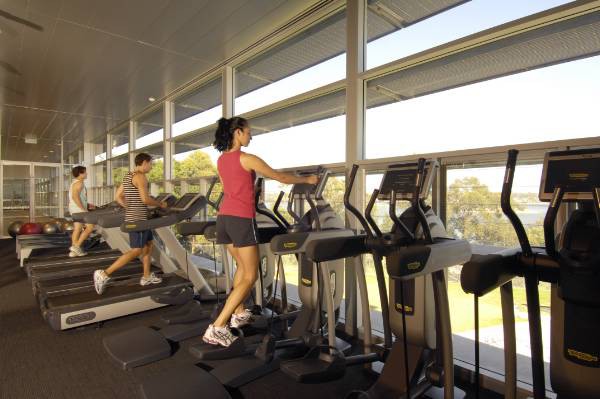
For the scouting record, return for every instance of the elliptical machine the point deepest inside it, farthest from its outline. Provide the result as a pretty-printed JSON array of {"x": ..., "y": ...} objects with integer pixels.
[
  {"x": 572, "y": 268},
  {"x": 417, "y": 252}
]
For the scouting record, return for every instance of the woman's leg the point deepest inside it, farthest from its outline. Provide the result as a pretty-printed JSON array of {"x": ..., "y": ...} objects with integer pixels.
[
  {"x": 238, "y": 274},
  {"x": 85, "y": 234},
  {"x": 77, "y": 227},
  {"x": 248, "y": 264}
]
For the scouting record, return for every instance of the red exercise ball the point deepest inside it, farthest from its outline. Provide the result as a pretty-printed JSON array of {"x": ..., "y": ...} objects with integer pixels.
[{"x": 31, "y": 228}]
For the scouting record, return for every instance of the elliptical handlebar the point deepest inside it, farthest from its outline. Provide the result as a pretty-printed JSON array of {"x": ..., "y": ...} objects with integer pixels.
[
  {"x": 276, "y": 209},
  {"x": 351, "y": 207},
  {"x": 290, "y": 209},
  {"x": 416, "y": 200},
  {"x": 397, "y": 222},
  {"x": 211, "y": 186},
  {"x": 368, "y": 210},
  {"x": 315, "y": 212},
  {"x": 596, "y": 197},
  {"x": 262, "y": 210},
  {"x": 549, "y": 221},
  {"x": 509, "y": 175}
]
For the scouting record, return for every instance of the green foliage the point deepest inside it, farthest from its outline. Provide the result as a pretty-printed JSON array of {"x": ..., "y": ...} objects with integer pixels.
[
  {"x": 196, "y": 164},
  {"x": 118, "y": 174},
  {"x": 474, "y": 214},
  {"x": 157, "y": 172},
  {"x": 334, "y": 194}
]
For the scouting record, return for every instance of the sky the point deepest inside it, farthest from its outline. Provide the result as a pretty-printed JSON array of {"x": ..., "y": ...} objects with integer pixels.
[{"x": 552, "y": 103}]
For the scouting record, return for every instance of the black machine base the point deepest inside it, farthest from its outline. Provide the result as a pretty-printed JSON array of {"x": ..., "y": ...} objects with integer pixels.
[
  {"x": 143, "y": 345},
  {"x": 188, "y": 382},
  {"x": 136, "y": 347},
  {"x": 318, "y": 365}
]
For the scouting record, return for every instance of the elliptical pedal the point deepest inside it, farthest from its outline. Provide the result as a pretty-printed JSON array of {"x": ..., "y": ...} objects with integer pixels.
[{"x": 317, "y": 365}]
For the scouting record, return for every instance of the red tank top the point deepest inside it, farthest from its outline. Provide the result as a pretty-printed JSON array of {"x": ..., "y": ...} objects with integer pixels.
[{"x": 238, "y": 186}]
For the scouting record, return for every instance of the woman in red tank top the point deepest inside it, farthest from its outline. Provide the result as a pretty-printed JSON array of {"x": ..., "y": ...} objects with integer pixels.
[{"x": 236, "y": 227}]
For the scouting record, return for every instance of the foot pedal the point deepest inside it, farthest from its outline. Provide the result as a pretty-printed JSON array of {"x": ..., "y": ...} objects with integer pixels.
[
  {"x": 316, "y": 366},
  {"x": 137, "y": 347},
  {"x": 206, "y": 351}
]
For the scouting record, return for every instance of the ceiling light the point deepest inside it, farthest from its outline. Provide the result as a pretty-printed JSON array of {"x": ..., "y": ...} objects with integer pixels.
[
  {"x": 30, "y": 139},
  {"x": 51, "y": 151},
  {"x": 151, "y": 99}
]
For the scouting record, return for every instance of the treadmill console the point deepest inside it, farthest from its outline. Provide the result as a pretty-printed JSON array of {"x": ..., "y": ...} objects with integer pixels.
[
  {"x": 185, "y": 202},
  {"x": 577, "y": 172},
  {"x": 402, "y": 179}
]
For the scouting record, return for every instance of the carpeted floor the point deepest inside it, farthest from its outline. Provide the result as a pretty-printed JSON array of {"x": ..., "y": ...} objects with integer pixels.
[{"x": 37, "y": 362}]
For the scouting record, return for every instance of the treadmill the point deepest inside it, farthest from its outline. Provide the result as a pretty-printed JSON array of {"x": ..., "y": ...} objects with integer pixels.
[
  {"x": 58, "y": 268},
  {"x": 69, "y": 308}
]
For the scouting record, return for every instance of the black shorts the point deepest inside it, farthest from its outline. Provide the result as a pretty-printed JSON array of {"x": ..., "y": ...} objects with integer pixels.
[
  {"x": 241, "y": 232},
  {"x": 139, "y": 239}
]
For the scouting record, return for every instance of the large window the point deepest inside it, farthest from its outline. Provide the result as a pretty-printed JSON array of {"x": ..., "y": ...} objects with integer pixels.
[
  {"x": 196, "y": 114},
  {"x": 120, "y": 167},
  {"x": 99, "y": 149},
  {"x": 474, "y": 213},
  {"x": 157, "y": 173},
  {"x": 120, "y": 141},
  {"x": 435, "y": 107},
  {"x": 307, "y": 133},
  {"x": 311, "y": 59},
  {"x": 149, "y": 129},
  {"x": 198, "y": 109},
  {"x": 99, "y": 171},
  {"x": 399, "y": 28}
]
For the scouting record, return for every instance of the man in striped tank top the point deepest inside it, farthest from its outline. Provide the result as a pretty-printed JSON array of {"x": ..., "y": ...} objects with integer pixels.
[{"x": 133, "y": 195}]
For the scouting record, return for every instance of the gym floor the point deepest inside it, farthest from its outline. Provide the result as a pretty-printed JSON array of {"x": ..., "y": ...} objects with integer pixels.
[{"x": 37, "y": 362}]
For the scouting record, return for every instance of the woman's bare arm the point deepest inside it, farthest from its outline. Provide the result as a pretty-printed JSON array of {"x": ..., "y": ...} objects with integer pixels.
[{"x": 252, "y": 162}]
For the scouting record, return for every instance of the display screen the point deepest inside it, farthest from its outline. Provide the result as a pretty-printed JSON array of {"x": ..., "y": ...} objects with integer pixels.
[
  {"x": 402, "y": 179},
  {"x": 184, "y": 201},
  {"x": 578, "y": 173}
]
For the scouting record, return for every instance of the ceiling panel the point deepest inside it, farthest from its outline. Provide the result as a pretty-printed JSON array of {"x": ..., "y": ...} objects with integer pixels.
[{"x": 96, "y": 63}]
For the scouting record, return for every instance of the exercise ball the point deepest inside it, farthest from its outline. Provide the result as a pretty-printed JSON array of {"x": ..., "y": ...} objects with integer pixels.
[
  {"x": 14, "y": 228},
  {"x": 50, "y": 228},
  {"x": 67, "y": 226},
  {"x": 31, "y": 228}
]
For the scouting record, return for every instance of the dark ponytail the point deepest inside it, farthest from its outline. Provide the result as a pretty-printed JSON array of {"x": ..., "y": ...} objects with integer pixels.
[{"x": 224, "y": 134}]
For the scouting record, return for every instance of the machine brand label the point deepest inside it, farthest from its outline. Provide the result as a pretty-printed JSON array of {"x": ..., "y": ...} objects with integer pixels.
[
  {"x": 413, "y": 265},
  {"x": 407, "y": 309},
  {"x": 131, "y": 226},
  {"x": 582, "y": 356},
  {"x": 80, "y": 318},
  {"x": 578, "y": 176},
  {"x": 290, "y": 245}
]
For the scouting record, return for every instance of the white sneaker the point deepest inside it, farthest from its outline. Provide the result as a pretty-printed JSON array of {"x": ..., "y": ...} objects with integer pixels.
[
  {"x": 76, "y": 251},
  {"x": 218, "y": 336},
  {"x": 241, "y": 319},
  {"x": 100, "y": 280},
  {"x": 151, "y": 279}
]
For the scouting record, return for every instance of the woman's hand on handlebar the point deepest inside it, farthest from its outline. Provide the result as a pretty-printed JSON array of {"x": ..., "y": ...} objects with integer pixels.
[
  {"x": 163, "y": 204},
  {"x": 312, "y": 179}
]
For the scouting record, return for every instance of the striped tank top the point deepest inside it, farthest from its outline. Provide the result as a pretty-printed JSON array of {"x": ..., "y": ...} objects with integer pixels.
[{"x": 136, "y": 210}]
